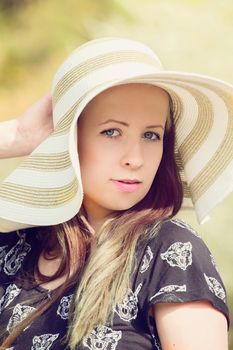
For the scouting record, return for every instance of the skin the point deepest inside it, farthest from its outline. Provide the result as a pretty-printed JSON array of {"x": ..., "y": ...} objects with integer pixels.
[
  {"x": 112, "y": 150},
  {"x": 191, "y": 326},
  {"x": 20, "y": 136}
]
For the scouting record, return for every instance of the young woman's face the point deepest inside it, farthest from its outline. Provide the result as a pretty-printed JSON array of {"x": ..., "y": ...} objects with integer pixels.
[{"x": 120, "y": 145}]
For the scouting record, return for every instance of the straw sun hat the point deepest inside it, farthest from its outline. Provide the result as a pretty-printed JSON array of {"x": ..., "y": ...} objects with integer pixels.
[{"x": 46, "y": 188}]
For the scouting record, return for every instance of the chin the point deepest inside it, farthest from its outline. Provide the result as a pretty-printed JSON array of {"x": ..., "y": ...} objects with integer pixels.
[{"x": 125, "y": 207}]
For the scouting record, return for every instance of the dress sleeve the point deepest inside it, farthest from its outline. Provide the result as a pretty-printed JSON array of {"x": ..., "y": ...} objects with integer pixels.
[{"x": 182, "y": 269}]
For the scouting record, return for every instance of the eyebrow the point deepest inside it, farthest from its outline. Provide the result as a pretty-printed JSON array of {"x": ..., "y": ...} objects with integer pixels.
[{"x": 126, "y": 124}]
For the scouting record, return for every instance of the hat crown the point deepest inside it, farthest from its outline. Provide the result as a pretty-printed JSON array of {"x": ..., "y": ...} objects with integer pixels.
[
  {"x": 103, "y": 47},
  {"x": 96, "y": 63}
]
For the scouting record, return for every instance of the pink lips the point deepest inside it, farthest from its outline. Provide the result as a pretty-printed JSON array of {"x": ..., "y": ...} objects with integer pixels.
[{"x": 126, "y": 185}]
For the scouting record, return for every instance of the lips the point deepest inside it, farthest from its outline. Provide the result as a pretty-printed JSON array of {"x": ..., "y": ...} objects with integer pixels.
[
  {"x": 127, "y": 185},
  {"x": 127, "y": 181}
]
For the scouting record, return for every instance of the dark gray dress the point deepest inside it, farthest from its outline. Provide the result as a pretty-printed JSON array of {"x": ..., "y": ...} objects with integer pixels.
[{"x": 174, "y": 266}]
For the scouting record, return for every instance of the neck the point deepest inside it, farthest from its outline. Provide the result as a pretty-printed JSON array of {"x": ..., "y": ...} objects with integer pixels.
[{"x": 94, "y": 219}]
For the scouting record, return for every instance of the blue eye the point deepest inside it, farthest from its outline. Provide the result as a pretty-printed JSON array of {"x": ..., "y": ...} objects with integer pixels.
[
  {"x": 110, "y": 132},
  {"x": 153, "y": 136}
]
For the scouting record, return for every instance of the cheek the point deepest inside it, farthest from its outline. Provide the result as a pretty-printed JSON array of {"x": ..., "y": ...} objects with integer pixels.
[
  {"x": 94, "y": 160},
  {"x": 152, "y": 167},
  {"x": 100, "y": 150},
  {"x": 87, "y": 152},
  {"x": 154, "y": 159}
]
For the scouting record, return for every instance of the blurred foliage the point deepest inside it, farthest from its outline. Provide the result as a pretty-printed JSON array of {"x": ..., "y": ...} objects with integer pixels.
[
  {"x": 188, "y": 35},
  {"x": 10, "y": 6},
  {"x": 32, "y": 34}
]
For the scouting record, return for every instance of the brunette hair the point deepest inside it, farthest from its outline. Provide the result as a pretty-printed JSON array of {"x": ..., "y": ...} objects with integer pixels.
[{"x": 109, "y": 254}]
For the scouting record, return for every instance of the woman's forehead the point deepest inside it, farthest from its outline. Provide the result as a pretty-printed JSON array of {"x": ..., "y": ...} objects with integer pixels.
[
  {"x": 129, "y": 96},
  {"x": 131, "y": 103}
]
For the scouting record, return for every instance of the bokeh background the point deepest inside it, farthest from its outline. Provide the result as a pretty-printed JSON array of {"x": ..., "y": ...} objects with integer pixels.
[{"x": 192, "y": 35}]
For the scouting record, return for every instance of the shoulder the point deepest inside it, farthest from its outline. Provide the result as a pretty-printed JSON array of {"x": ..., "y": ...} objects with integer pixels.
[
  {"x": 176, "y": 266},
  {"x": 180, "y": 255},
  {"x": 178, "y": 244},
  {"x": 177, "y": 228},
  {"x": 179, "y": 233}
]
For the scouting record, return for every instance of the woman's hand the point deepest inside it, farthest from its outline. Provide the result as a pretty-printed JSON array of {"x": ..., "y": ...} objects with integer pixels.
[
  {"x": 20, "y": 136},
  {"x": 35, "y": 124}
]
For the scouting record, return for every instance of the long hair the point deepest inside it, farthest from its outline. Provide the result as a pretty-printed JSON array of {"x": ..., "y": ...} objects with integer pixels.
[{"x": 104, "y": 261}]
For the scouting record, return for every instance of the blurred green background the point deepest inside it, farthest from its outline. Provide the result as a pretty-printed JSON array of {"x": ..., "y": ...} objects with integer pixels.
[{"x": 192, "y": 35}]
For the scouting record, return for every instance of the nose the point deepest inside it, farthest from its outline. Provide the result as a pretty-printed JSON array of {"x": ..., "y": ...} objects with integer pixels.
[{"x": 132, "y": 155}]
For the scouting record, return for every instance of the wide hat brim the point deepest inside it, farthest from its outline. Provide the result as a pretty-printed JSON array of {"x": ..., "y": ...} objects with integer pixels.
[{"x": 46, "y": 188}]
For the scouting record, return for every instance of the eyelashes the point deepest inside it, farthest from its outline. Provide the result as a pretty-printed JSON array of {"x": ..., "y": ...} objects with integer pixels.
[
  {"x": 111, "y": 133},
  {"x": 115, "y": 133},
  {"x": 151, "y": 135}
]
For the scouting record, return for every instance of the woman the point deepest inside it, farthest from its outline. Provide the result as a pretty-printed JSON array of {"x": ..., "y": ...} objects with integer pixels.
[{"x": 89, "y": 214}]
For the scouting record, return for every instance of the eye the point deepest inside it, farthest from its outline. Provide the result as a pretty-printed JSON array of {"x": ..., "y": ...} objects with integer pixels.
[
  {"x": 153, "y": 136},
  {"x": 110, "y": 132}
]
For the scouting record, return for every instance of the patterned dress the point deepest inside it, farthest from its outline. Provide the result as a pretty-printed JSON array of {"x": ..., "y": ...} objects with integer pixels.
[{"x": 174, "y": 266}]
